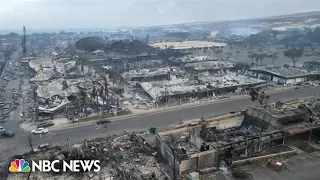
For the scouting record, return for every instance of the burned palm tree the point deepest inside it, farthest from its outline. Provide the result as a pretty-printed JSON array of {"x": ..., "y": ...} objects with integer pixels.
[
  {"x": 101, "y": 95},
  {"x": 35, "y": 98},
  {"x": 83, "y": 97},
  {"x": 94, "y": 93},
  {"x": 106, "y": 91},
  {"x": 261, "y": 97}
]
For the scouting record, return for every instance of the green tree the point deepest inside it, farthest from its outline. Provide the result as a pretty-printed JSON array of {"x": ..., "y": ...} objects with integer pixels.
[
  {"x": 180, "y": 35},
  {"x": 294, "y": 54},
  {"x": 71, "y": 49},
  {"x": 90, "y": 44}
]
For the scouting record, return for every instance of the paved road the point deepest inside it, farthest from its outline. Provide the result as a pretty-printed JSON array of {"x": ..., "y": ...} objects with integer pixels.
[
  {"x": 11, "y": 146},
  {"x": 163, "y": 119}
]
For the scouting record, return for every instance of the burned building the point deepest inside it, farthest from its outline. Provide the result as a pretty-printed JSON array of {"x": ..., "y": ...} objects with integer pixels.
[
  {"x": 199, "y": 87},
  {"x": 210, "y": 66},
  {"x": 145, "y": 75},
  {"x": 312, "y": 65},
  {"x": 210, "y": 142},
  {"x": 279, "y": 114},
  {"x": 292, "y": 117}
]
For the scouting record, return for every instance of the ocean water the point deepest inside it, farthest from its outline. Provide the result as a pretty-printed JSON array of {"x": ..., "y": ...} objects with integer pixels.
[{"x": 30, "y": 31}]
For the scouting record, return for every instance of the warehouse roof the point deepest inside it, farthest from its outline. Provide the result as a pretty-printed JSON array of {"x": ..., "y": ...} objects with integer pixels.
[{"x": 286, "y": 72}]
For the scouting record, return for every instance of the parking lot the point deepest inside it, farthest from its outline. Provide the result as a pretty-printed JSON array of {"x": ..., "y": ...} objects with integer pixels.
[{"x": 302, "y": 167}]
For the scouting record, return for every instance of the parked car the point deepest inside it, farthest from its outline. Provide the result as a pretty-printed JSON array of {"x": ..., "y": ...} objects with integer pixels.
[
  {"x": 40, "y": 131},
  {"x": 45, "y": 124},
  {"x": 82, "y": 115},
  {"x": 103, "y": 121},
  {"x": 7, "y": 133},
  {"x": 42, "y": 147}
]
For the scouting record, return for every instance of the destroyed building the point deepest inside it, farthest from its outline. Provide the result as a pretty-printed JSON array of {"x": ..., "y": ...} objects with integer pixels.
[
  {"x": 292, "y": 117},
  {"x": 144, "y": 75},
  {"x": 218, "y": 140},
  {"x": 199, "y": 87},
  {"x": 312, "y": 65},
  {"x": 211, "y": 66},
  {"x": 120, "y": 59},
  {"x": 190, "y": 59},
  {"x": 62, "y": 86},
  {"x": 123, "y": 156},
  {"x": 47, "y": 69}
]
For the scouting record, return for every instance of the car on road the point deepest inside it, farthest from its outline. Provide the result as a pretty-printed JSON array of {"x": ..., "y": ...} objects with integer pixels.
[
  {"x": 40, "y": 131},
  {"x": 103, "y": 121},
  {"x": 2, "y": 129},
  {"x": 7, "y": 133}
]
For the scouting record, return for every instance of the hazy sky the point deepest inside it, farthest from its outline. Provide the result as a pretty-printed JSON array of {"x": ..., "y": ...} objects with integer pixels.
[{"x": 111, "y": 13}]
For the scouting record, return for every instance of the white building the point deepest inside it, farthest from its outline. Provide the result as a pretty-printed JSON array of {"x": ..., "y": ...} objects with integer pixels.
[{"x": 281, "y": 75}]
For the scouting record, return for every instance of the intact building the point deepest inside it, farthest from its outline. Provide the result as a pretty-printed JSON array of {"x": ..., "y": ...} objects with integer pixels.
[{"x": 281, "y": 75}]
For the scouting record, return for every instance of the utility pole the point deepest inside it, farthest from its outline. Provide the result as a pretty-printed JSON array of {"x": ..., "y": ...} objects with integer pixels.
[
  {"x": 310, "y": 135},
  {"x": 24, "y": 40},
  {"x": 36, "y": 103}
]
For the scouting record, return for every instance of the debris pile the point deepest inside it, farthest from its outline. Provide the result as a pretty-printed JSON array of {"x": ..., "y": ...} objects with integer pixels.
[{"x": 125, "y": 156}]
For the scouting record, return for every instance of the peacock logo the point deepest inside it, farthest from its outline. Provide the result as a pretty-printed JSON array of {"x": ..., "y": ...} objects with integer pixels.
[{"x": 19, "y": 165}]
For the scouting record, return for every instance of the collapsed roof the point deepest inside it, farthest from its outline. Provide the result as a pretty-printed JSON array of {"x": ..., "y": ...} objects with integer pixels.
[
  {"x": 210, "y": 65},
  {"x": 158, "y": 89},
  {"x": 46, "y": 68}
]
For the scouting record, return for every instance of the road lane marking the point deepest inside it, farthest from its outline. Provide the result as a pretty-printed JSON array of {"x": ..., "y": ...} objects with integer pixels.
[
  {"x": 50, "y": 136},
  {"x": 75, "y": 129}
]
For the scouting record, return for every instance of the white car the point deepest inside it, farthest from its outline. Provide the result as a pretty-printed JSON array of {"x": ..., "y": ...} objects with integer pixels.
[
  {"x": 2, "y": 129},
  {"x": 40, "y": 131}
]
